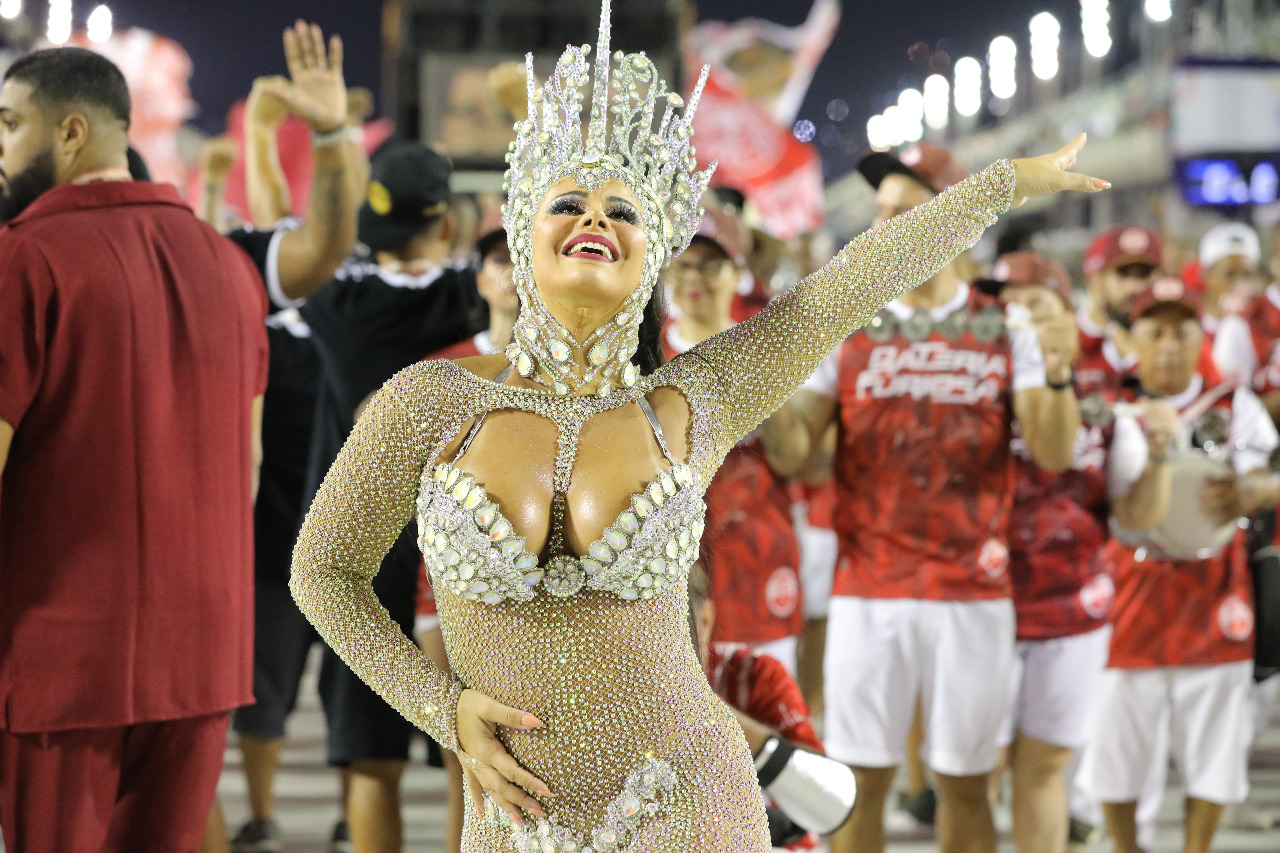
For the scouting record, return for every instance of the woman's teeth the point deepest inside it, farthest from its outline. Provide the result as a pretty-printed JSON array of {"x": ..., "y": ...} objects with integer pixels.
[{"x": 594, "y": 248}]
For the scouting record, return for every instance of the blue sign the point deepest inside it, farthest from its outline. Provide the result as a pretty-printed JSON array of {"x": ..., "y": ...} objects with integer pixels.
[{"x": 1230, "y": 180}]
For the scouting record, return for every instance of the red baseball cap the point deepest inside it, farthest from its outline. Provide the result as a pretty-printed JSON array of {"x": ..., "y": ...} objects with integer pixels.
[
  {"x": 1166, "y": 291},
  {"x": 1129, "y": 244},
  {"x": 720, "y": 229},
  {"x": 930, "y": 165},
  {"x": 1024, "y": 268}
]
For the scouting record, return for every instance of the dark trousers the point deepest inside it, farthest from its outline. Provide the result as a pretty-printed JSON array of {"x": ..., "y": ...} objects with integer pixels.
[{"x": 145, "y": 788}]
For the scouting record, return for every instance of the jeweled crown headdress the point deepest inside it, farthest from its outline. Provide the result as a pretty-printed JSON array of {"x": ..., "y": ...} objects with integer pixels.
[{"x": 621, "y": 144}]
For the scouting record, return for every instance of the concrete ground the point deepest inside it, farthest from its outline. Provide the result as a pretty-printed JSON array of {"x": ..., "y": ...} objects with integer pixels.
[{"x": 308, "y": 792}]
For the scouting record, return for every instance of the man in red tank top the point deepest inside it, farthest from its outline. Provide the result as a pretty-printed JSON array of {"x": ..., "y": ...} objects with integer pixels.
[
  {"x": 925, "y": 398},
  {"x": 1061, "y": 597},
  {"x": 1181, "y": 651}
]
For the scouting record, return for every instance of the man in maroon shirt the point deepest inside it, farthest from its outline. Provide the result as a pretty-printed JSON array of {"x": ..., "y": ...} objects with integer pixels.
[{"x": 131, "y": 372}]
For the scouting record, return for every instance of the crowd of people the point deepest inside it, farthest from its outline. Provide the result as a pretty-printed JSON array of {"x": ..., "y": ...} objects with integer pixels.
[{"x": 1015, "y": 537}]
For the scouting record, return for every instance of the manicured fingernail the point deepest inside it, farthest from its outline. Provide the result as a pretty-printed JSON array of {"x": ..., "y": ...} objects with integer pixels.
[
  {"x": 1101, "y": 184},
  {"x": 543, "y": 792},
  {"x": 529, "y": 721}
]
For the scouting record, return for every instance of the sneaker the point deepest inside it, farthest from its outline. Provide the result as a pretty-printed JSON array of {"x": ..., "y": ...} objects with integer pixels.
[
  {"x": 1248, "y": 817},
  {"x": 1082, "y": 836},
  {"x": 340, "y": 841},
  {"x": 260, "y": 835},
  {"x": 923, "y": 805}
]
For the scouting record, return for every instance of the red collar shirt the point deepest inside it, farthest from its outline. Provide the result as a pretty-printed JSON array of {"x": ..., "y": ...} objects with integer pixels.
[{"x": 132, "y": 346}]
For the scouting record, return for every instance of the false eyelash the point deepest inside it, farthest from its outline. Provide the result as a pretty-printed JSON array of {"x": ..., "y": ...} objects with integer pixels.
[
  {"x": 624, "y": 213},
  {"x": 573, "y": 206},
  {"x": 567, "y": 206}
]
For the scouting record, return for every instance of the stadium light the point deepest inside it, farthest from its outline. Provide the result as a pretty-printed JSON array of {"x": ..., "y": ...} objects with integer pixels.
[
  {"x": 10, "y": 9},
  {"x": 968, "y": 86},
  {"x": 59, "y": 31},
  {"x": 879, "y": 136},
  {"x": 896, "y": 125},
  {"x": 1002, "y": 66},
  {"x": 1045, "y": 30},
  {"x": 937, "y": 101},
  {"x": 1158, "y": 10},
  {"x": 1095, "y": 26},
  {"x": 100, "y": 25},
  {"x": 911, "y": 114}
]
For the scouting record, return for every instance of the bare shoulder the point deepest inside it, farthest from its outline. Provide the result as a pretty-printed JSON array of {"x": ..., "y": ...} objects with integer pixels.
[{"x": 488, "y": 367}]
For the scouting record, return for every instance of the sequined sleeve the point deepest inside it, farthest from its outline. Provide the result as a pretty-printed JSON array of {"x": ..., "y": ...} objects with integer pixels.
[
  {"x": 757, "y": 365},
  {"x": 366, "y": 500}
]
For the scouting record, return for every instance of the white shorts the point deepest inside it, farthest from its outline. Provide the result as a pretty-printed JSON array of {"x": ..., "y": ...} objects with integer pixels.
[
  {"x": 1053, "y": 687},
  {"x": 884, "y": 653},
  {"x": 423, "y": 624},
  {"x": 1202, "y": 714},
  {"x": 818, "y": 549},
  {"x": 783, "y": 651}
]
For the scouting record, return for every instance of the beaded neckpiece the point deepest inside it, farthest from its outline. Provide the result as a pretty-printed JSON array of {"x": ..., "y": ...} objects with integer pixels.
[{"x": 621, "y": 144}]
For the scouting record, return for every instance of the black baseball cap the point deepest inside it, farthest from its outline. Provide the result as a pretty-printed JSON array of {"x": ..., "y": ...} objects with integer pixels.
[
  {"x": 929, "y": 165},
  {"x": 408, "y": 190}
]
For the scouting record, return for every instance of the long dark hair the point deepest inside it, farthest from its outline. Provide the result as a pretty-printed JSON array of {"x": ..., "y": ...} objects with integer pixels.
[{"x": 648, "y": 356}]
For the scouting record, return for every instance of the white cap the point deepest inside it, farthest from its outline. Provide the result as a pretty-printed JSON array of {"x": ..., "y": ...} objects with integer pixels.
[{"x": 1231, "y": 238}]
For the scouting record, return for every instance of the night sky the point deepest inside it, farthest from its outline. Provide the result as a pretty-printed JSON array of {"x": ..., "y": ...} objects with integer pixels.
[{"x": 232, "y": 41}]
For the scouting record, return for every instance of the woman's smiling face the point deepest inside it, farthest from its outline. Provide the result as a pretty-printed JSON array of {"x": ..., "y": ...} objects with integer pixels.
[{"x": 588, "y": 252}]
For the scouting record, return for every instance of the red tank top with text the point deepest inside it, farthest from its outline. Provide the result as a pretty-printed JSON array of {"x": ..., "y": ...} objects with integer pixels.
[{"x": 924, "y": 468}]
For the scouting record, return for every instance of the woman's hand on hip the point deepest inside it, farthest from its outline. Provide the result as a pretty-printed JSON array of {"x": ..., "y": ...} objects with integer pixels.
[{"x": 487, "y": 767}]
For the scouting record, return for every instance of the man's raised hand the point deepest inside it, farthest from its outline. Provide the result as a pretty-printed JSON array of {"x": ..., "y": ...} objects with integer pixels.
[{"x": 315, "y": 91}]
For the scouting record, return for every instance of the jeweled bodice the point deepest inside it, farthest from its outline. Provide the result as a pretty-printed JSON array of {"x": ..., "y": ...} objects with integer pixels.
[{"x": 474, "y": 552}]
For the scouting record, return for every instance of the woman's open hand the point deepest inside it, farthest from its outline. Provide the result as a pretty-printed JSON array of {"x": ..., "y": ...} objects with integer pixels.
[
  {"x": 1051, "y": 173},
  {"x": 486, "y": 765}
]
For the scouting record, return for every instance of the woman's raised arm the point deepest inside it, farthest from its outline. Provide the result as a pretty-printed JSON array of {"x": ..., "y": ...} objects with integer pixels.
[{"x": 758, "y": 364}]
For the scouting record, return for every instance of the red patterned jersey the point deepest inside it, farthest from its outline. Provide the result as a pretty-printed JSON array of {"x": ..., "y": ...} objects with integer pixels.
[
  {"x": 1102, "y": 370},
  {"x": 1180, "y": 613},
  {"x": 747, "y": 305},
  {"x": 1247, "y": 343},
  {"x": 924, "y": 465},
  {"x": 749, "y": 550},
  {"x": 821, "y": 504},
  {"x": 759, "y": 687},
  {"x": 1056, "y": 529},
  {"x": 1091, "y": 336},
  {"x": 1186, "y": 612}
]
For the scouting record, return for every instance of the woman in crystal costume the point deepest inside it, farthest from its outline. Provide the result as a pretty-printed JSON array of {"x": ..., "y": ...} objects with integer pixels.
[{"x": 558, "y": 488}]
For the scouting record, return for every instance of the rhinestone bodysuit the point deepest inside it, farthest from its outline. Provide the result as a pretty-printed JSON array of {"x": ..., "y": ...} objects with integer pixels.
[{"x": 641, "y": 755}]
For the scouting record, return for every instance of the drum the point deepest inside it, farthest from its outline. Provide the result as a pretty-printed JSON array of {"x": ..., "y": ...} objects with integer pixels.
[{"x": 1187, "y": 532}]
